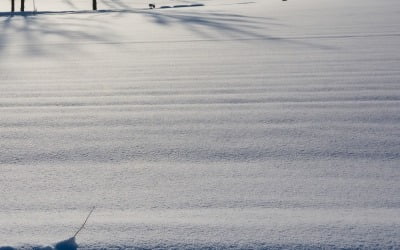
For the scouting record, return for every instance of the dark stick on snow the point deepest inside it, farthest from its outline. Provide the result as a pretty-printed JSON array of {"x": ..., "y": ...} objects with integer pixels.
[
  {"x": 94, "y": 4},
  {"x": 22, "y": 5},
  {"x": 84, "y": 223}
]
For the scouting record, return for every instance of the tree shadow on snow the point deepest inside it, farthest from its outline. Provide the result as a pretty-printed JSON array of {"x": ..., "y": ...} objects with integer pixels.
[
  {"x": 29, "y": 31},
  {"x": 74, "y": 28},
  {"x": 213, "y": 25},
  {"x": 225, "y": 26}
]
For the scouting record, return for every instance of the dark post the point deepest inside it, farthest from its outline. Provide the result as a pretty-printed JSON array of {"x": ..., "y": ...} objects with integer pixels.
[
  {"x": 94, "y": 4},
  {"x": 22, "y": 5},
  {"x": 12, "y": 5}
]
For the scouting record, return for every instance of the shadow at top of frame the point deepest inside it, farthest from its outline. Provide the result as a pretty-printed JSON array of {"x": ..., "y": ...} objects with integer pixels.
[
  {"x": 66, "y": 12},
  {"x": 32, "y": 13},
  {"x": 207, "y": 25}
]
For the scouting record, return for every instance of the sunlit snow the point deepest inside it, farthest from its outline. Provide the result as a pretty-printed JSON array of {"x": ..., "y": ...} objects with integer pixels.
[{"x": 218, "y": 124}]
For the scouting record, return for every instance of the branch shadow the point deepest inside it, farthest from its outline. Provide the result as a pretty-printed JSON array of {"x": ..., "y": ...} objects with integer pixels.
[
  {"x": 29, "y": 31},
  {"x": 82, "y": 25},
  {"x": 214, "y": 25}
]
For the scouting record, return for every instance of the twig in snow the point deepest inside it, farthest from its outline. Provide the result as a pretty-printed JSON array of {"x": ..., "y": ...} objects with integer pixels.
[{"x": 84, "y": 223}]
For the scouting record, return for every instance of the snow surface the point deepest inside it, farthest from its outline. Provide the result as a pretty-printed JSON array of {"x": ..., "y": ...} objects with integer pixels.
[{"x": 236, "y": 124}]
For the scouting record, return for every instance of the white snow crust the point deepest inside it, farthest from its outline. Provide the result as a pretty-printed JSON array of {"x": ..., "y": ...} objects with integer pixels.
[{"x": 256, "y": 124}]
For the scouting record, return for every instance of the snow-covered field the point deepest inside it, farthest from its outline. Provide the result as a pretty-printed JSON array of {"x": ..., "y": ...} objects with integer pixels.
[{"x": 233, "y": 124}]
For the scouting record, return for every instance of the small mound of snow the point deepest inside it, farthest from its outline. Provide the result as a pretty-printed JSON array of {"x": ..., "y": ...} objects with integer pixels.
[
  {"x": 69, "y": 244},
  {"x": 27, "y": 248},
  {"x": 7, "y": 248}
]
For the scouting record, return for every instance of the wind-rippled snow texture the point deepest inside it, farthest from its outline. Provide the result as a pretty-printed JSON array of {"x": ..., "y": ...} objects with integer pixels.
[{"x": 263, "y": 124}]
